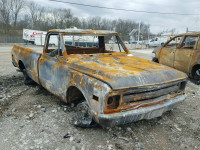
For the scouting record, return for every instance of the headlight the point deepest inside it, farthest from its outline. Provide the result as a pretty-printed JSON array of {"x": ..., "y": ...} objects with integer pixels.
[
  {"x": 113, "y": 102},
  {"x": 182, "y": 85}
]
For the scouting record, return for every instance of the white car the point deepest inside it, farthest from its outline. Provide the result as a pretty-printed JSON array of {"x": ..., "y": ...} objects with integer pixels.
[{"x": 126, "y": 42}]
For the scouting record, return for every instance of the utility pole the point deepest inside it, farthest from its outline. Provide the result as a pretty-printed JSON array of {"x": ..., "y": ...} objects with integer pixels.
[
  {"x": 139, "y": 32},
  {"x": 148, "y": 33}
]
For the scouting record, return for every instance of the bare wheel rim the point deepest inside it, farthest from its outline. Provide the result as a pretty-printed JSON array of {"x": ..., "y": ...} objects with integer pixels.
[
  {"x": 196, "y": 76},
  {"x": 198, "y": 73},
  {"x": 83, "y": 114}
]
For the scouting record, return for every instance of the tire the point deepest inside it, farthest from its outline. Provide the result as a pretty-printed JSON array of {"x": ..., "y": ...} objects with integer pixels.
[
  {"x": 27, "y": 79},
  {"x": 83, "y": 117},
  {"x": 196, "y": 75},
  {"x": 154, "y": 59}
]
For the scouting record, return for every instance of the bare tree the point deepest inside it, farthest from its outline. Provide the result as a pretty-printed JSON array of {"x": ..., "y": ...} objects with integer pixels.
[
  {"x": 17, "y": 6},
  {"x": 65, "y": 18},
  {"x": 56, "y": 18},
  {"x": 36, "y": 12},
  {"x": 5, "y": 12},
  {"x": 44, "y": 18},
  {"x": 76, "y": 22}
]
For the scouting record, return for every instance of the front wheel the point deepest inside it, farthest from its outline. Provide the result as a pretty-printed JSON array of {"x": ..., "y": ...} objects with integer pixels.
[
  {"x": 154, "y": 59},
  {"x": 83, "y": 117}
]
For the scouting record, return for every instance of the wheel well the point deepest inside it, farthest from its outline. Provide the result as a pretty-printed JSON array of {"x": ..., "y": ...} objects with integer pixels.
[
  {"x": 74, "y": 94},
  {"x": 155, "y": 60},
  {"x": 21, "y": 65},
  {"x": 194, "y": 68}
]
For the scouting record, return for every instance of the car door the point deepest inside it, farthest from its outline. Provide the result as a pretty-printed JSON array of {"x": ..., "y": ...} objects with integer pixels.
[
  {"x": 183, "y": 54},
  {"x": 167, "y": 53},
  {"x": 51, "y": 73}
]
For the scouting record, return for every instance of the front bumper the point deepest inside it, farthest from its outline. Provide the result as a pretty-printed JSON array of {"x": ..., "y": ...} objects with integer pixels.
[{"x": 109, "y": 120}]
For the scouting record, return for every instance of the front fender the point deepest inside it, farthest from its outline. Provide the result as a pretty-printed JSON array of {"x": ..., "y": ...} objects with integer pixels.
[
  {"x": 157, "y": 52},
  {"x": 94, "y": 90}
]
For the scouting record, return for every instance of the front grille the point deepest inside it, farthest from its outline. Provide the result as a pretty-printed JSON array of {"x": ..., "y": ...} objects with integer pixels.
[
  {"x": 133, "y": 97},
  {"x": 146, "y": 96}
]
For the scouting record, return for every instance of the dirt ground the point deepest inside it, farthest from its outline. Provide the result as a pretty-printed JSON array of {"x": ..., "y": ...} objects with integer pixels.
[{"x": 32, "y": 118}]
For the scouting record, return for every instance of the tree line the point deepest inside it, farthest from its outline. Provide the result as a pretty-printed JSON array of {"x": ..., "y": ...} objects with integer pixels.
[{"x": 18, "y": 14}]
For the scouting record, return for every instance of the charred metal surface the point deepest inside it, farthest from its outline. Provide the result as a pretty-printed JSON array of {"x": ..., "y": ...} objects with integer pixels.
[
  {"x": 117, "y": 87},
  {"x": 29, "y": 58},
  {"x": 183, "y": 58}
]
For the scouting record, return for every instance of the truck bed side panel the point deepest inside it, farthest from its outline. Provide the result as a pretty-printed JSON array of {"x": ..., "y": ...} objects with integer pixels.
[{"x": 29, "y": 58}]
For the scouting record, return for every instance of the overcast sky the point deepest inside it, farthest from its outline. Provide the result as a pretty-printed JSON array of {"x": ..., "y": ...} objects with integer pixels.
[{"x": 157, "y": 22}]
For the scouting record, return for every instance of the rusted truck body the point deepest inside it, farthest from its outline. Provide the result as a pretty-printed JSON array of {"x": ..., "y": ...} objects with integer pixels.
[
  {"x": 118, "y": 87},
  {"x": 183, "y": 53}
]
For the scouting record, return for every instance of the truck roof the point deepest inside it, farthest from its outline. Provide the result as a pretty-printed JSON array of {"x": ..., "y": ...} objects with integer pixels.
[{"x": 83, "y": 31}]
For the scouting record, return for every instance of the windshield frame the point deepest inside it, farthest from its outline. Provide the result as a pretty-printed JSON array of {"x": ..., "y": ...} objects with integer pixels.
[{"x": 120, "y": 42}]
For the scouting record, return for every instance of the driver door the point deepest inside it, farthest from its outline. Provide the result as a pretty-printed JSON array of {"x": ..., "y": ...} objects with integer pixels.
[
  {"x": 50, "y": 63},
  {"x": 167, "y": 53}
]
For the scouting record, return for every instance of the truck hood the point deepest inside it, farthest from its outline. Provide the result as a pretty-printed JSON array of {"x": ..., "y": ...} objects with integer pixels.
[{"x": 126, "y": 71}]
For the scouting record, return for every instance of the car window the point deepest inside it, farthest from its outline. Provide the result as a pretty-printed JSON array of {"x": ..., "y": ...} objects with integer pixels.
[
  {"x": 81, "y": 41},
  {"x": 189, "y": 42},
  {"x": 174, "y": 41},
  {"x": 152, "y": 40},
  {"x": 93, "y": 44},
  {"x": 53, "y": 46},
  {"x": 52, "y": 43}
]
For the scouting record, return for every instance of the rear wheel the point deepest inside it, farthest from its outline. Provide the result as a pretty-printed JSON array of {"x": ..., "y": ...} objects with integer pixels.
[
  {"x": 196, "y": 75},
  {"x": 27, "y": 79}
]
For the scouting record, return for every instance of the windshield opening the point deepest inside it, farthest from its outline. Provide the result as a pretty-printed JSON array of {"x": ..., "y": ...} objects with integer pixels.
[{"x": 93, "y": 44}]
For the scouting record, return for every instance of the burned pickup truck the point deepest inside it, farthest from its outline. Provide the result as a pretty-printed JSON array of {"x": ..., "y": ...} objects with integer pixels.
[{"x": 109, "y": 85}]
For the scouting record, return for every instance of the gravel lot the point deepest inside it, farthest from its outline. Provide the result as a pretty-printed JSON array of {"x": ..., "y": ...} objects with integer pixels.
[{"x": 32, "y": 118}]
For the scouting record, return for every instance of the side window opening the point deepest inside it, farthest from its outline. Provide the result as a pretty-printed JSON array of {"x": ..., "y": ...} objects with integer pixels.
[
  {"x": 189, "y": 42},
  {"x": 152, "y": 40},
  {"x": 174, "y": 41},
  {"x": 53, "y": 45}
]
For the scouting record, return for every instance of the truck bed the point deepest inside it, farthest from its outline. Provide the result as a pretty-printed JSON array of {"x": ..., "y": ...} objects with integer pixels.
[{"x": 26, "y": 58}]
